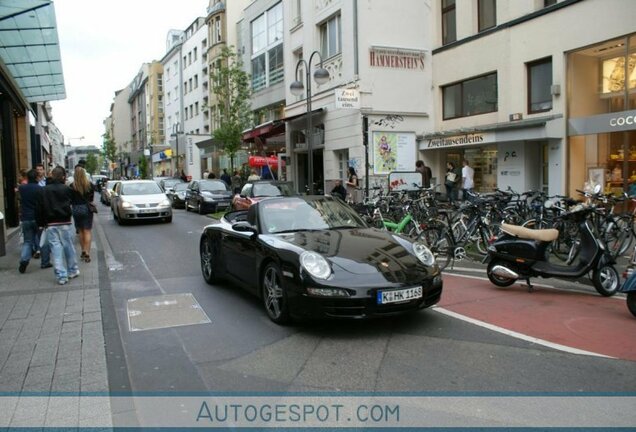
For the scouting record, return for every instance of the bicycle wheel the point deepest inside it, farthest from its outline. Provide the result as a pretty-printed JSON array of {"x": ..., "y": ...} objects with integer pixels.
[
  {"x": 439, "y": 242},
  {"x": 614, "y": 237},
  {"x": 624, "y": 222}
]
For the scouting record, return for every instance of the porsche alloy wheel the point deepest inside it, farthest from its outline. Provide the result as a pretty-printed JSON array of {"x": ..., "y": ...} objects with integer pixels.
[
  {"x": 207, "y": 261},
  {"x": 274, "y": 296}
]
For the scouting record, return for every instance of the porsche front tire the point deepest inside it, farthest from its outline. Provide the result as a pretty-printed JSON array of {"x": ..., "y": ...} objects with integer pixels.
[{"x": 274, "y": 298}]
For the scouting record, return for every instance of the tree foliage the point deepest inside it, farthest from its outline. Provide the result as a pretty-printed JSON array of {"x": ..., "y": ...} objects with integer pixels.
[
  {"x": 91, "y": 163},
  {"x": 109, "y": 148},
  {"x": 143, "y": 167},
  {"x": 231, "y": 85}
]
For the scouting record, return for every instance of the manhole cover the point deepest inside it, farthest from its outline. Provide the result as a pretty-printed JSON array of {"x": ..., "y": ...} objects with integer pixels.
[{"x": 170, "y": 310}]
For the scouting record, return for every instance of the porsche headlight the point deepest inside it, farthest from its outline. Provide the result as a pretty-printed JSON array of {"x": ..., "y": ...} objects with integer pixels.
[
  {"x": 315, "y": 264},
  {"x": 423, "y": 253}
]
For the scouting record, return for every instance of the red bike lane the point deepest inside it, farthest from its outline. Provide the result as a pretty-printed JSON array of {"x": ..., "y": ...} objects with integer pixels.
[{"x": 583, "y": 321}]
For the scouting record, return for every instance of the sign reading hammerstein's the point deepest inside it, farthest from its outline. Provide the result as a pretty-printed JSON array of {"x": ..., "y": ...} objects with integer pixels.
[
  {"x": 396, "y": 58},
  {"x": 347, "y": 99}
]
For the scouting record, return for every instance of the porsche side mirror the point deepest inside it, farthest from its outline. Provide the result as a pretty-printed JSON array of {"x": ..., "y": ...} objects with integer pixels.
[{"x": 245, "y": 227}]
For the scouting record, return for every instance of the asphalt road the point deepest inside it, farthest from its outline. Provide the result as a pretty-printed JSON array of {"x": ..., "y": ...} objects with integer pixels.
[{"x": 241, "y": 350}]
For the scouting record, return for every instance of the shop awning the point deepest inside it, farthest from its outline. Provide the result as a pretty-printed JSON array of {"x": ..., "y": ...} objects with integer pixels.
[
  {"x": 519, "y": 124},
  {"x": 30, "y": 49},
  {"x": 265, "y": 130},
  {"x": 297, "y": 116}
]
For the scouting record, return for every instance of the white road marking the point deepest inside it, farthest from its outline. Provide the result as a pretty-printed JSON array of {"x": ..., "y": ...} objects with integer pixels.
[{"x": 518, "y": 335}]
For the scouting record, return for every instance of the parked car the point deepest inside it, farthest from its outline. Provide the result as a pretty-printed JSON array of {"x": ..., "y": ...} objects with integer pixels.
[
  {"x": 177, "y": 195},
  {"x": 208, "y": 196},
  {"x": 167, "y": 184},
  {"x": 313, "y": 256},
  {"x": 140, "y": 200},
  {"x": 254, "y": 191},
  {"x": 107, "y": 191}
]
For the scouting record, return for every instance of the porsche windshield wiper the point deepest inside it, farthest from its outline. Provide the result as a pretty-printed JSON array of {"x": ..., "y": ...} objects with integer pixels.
[{"x": 295, "y": 230}]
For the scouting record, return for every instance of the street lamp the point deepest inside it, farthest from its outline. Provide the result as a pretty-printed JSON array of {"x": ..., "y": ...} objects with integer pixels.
[{"x": 321, "y": 75}]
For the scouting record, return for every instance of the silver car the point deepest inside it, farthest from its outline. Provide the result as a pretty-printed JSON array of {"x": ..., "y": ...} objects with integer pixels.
[{"x": 140, "y": 200}]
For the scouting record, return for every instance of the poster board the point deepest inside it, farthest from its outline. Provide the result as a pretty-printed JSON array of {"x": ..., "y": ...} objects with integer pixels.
[
  {"x": 405, "y": 180},
  {"x": 393, "y": 151}
]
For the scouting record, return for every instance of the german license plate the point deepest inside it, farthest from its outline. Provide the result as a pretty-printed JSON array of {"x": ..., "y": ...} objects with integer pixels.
[{"x": 396, "y": 296}]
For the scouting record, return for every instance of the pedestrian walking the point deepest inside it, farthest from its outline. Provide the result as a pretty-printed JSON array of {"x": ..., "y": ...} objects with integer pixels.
[
  {"x": 226, "y": 177},
  {"x": 421, "y": 168},
  {"x": 451, "y": 181},
  {"x": 53, "y": 211},
  {"x": 41, "y": 174},
  {"x": 28, "y": 200},
  {"x": 253, "y": 176},
  {"x": 237, "y": 182},
  {"x": 468, "y": 182},
  {"x": 352, "y": 183},
  {"x": 83, "y": 209}
]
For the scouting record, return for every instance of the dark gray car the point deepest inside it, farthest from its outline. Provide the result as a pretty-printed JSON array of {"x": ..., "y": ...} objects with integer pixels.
[{"x": 208, "y": 196}]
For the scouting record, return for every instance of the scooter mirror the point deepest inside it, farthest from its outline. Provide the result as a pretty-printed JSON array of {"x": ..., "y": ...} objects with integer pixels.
[{"x": 597, "y": 188}]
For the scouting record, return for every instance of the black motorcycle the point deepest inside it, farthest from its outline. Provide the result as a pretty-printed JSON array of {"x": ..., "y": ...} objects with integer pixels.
[{"x": 522, "y": 253}]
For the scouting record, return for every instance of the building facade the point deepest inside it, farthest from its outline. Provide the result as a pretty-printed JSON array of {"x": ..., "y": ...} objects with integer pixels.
[
  {"x": 377, "y": 100},
  {"x": 30, "y": 30},
  {"x": 509, "y": 80}
]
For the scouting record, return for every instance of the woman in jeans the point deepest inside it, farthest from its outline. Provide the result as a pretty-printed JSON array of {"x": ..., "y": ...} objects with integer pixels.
[{"x": 83, "y": 194}]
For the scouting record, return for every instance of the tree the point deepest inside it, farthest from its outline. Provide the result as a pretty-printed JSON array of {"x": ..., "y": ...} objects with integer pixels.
[
  {"x": 231, "y": 85},
  {"x": 91, "y": 163},
  {"x": 143, "y": 167},
  {"x": 109, "y": 148}
]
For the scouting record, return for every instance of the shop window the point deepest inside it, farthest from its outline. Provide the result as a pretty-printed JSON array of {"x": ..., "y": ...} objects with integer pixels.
[
  {"x": 449, "y": 26},
  {"x": 539, "y": 84},
  {"x": 330, "y": 37},
  {"x": 487, "y": 14},
  {"x": 471, "y": 97}
]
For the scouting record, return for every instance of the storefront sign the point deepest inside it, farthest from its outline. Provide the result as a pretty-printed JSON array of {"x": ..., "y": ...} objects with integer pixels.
[
  {"x": 457, "y": 141},
  {"x": 261, "y": 161},
  {"x": 396, "y": 58},
  {"x": 347, "y": 98},
  {"x": 613, "y": 122}
]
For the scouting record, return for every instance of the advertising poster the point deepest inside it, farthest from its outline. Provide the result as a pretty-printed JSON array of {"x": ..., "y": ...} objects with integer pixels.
[{"x": 393, "y": 151}]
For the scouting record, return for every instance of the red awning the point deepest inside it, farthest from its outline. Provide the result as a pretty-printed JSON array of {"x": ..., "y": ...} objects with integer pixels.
[{"x": 265, "y": 130}]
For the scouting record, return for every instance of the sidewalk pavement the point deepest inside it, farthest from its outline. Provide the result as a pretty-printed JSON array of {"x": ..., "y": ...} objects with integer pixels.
[{"x": 51, "y": 341}]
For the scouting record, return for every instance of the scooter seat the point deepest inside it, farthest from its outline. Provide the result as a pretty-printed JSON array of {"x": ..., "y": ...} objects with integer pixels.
[{"x": 543, "y": 235}]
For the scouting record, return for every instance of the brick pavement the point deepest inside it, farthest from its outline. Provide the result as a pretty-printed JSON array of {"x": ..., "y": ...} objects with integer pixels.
[{"x": 51, "y": 342}]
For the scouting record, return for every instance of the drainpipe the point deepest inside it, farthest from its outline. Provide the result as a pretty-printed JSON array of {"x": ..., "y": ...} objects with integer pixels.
[{"x": 355, "y": 38}]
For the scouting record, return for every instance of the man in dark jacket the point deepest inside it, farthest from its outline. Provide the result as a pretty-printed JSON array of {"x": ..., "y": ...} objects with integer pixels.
[
  {"x": 28, "y": 198},
  {"x": 426, "y": 173},
  {"x": 54, "y": 212}
]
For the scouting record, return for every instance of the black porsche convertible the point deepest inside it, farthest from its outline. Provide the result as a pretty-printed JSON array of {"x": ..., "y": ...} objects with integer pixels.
[{"x": 313, "y": 256}]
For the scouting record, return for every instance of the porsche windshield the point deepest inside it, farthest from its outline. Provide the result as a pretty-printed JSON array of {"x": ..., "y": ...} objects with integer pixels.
[{"x": 296, "y": 214}]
